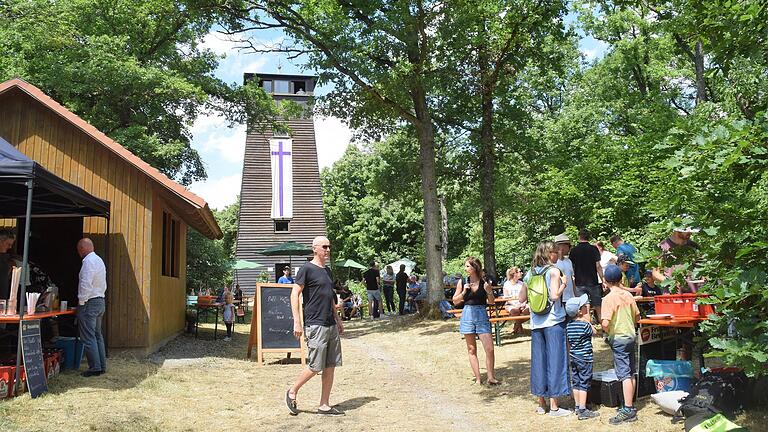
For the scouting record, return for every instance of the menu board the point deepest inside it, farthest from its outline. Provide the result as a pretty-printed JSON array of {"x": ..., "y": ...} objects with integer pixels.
[
  {"x": 272, "y": 322},
  {"x": 276, "y": 319},
  {"x": 32, "y": 351}
]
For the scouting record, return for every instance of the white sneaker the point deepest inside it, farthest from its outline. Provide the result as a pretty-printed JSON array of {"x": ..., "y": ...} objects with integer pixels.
[
  {"x": 227, "y": 339},
  {"x": 561, "y": 412}
]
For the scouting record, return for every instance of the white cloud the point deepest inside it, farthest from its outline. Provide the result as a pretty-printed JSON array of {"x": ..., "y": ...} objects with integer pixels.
[
  {"x": 212, "y": 136},
  {"x": 219, "y": 192},
  {"x": 332, "y": 137},
  {"x": 219, "y": 43}
]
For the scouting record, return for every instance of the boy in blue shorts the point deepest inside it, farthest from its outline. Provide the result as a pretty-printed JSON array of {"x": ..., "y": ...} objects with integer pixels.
[
  {"x": 619, "y": 316},
  {"x": 579, "y": 336}
]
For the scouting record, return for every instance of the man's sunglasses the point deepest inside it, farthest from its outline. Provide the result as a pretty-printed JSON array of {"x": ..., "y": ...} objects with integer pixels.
[{"x": 325, "y": 246}]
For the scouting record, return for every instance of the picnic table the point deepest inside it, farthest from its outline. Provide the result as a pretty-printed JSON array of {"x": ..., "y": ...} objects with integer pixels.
[{"x": 498, "y": 316}]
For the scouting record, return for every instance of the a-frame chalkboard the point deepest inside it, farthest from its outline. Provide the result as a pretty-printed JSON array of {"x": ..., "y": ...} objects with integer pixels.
[
  {"x": 32, "y": 351},
  {"x": 272, "y": 322}
]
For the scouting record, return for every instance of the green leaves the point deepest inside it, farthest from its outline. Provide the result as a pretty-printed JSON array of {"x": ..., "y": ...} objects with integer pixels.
[{"x": 135, "y": 70}]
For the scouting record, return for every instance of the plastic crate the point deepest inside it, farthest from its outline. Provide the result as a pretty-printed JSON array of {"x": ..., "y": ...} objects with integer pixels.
[
  {"x": 682, "y": 305},
  {"x": 7, "y": 374}
]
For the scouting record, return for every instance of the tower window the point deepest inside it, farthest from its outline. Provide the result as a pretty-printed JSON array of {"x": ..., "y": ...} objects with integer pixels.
[{"x": 281, "y": 226}]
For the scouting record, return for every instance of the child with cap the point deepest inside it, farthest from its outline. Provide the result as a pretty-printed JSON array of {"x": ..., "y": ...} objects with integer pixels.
[
  {"x": 619, "y": 315},
  {"x": 579, "y": 336}
]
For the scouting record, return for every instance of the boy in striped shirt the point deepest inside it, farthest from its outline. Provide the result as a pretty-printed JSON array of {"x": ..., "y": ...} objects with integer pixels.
[{"x": 579, "y": 336}]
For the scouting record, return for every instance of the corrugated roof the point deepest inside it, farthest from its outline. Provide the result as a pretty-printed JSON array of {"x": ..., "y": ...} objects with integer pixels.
[{"x": 194, "y": 210}]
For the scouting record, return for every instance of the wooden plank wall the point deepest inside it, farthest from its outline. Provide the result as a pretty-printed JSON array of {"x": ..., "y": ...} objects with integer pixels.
[
  {"x": 168, "y": 296},
  {"x": 77, "y": 158},
  {"x": 256, "y": 228}
]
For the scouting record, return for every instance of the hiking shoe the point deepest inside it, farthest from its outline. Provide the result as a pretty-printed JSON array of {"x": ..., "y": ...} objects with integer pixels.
[
  {"x": 586, "y": 414},
  {"x": 560, "y": 412},
  {"x": 626, "y": 415}
]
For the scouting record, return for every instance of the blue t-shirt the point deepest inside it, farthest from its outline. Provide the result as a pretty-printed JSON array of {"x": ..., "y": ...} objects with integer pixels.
[
  {"x": 634, "y": 270},
  {"x": 285, "y": 280},
  {"x": 579, "y": 336},
  {"x": 556, "y": 314}
]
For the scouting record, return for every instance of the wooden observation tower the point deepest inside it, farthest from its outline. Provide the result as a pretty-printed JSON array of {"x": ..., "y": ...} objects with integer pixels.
[{"x": 280, "y": 198}]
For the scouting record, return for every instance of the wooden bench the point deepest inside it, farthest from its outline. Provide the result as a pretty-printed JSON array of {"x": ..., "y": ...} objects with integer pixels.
[{"x": 498, "y": 317}]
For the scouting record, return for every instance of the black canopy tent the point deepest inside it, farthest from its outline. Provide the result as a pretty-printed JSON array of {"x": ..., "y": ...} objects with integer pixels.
[{"x": 28, "y": 190}]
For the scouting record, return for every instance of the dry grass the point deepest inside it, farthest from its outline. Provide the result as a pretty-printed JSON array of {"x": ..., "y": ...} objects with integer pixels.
[{"x": 402, "y": 375}]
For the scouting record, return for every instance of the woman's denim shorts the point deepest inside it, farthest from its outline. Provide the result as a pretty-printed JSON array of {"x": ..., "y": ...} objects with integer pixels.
[{"x": 474, "y": 320}]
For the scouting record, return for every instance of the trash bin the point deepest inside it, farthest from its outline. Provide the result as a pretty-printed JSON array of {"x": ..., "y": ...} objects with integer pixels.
[
  {"x": 670, "y": 375},
  {"x": 73, "y": 352}
]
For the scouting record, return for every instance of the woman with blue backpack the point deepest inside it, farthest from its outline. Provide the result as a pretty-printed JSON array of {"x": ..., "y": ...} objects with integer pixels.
[
  {"x": 476, "y": 295},
  {"x": 549, "y": 359}
]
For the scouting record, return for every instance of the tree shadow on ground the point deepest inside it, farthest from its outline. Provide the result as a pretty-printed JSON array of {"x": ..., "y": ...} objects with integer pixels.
[
  {"x": 122, "y": 374},
  {"x": 515, "y": 377},
  {"x": 355, "y": 403}
]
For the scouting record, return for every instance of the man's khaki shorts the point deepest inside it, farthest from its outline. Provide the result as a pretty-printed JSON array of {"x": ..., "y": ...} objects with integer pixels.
[{"x": 323, "y": 347}]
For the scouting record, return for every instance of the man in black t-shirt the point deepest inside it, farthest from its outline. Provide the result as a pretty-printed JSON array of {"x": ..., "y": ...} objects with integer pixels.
[
  {"x": 401, "y": 283},
  {"x": 586, "y": 267},
  {"x": 322, "y": 326},
  {"x": 372, "y": 279}
]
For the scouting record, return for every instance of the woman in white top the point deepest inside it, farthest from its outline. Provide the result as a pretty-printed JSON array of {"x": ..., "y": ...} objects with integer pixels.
[
  {"x": 606, "y": 256},
  {"x": 511, "y": 289}
]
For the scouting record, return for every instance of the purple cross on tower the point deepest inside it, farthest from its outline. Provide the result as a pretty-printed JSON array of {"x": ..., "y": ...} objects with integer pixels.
[{"x": 280, "y": 153}]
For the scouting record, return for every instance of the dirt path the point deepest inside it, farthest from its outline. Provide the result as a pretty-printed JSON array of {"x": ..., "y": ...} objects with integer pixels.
[{"x": 398, "y": 375}]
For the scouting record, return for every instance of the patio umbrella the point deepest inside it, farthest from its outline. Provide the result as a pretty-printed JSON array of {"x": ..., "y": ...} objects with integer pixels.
[
  {"x": 287, "y": 249},
  {"x": 409, "y": 265},
  {"x": 349, "y": 264},
  {"x": 245, "y": 264}
]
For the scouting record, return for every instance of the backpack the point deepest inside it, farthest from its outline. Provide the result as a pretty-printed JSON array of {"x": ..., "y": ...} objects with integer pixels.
[
  {"x": 538, "y": 293},
  {"x": 715, "y": 393}
]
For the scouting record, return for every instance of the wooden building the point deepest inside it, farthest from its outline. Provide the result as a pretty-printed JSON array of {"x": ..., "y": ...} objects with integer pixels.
[
  {"x": 149, "y": 217},
  {"x": 259, "y": 227}
]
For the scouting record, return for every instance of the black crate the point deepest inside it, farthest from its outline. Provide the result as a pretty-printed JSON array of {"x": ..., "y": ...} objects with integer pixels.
[{"x": 605, "y": 389}]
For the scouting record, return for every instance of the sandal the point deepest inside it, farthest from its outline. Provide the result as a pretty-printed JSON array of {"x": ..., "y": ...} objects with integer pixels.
[
  {"x": 494, "y": 383},
  {"x": 333, "y": 411},
  {"x": 291, "y": 403}
]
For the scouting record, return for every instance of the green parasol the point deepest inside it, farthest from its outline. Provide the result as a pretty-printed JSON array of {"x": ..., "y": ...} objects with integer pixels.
[
  {"x": 245, "y": 264},
  {"x": 288, "y": 248}
]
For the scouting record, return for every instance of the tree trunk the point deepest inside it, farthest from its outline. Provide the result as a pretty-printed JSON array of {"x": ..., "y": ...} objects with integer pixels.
[
  {"x": 432, "y": 243},
  {"x": 487, "y": 163},
  {"x": 701, "y": 83}
]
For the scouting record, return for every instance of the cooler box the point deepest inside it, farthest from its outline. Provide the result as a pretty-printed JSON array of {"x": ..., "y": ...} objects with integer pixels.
[
  {"x": 72, "y": 352},
  {"x": 605, "y": 389},
  {"x": 670, "y": 375}
]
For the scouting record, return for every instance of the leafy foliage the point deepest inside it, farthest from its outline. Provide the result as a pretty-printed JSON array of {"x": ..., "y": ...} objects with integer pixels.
[{"x": 135, "y": 70}]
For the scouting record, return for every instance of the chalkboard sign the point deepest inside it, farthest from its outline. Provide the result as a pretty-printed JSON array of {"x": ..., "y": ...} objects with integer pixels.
[
  {"x": 272, "y": 322},
  {"x": 32, "y": 350},
  {"x": 276, "y": 319}
]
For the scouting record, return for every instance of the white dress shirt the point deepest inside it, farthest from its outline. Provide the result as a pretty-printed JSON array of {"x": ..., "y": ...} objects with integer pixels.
[{"x": 93, "y": 278}]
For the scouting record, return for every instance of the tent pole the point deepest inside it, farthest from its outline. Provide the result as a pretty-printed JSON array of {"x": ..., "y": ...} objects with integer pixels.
[
  {"x": 106, "y": 295},
  {"x": 23, "y": 283}
]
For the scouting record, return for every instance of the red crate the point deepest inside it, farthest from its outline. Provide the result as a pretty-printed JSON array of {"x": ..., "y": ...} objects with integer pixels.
[
  {"x": 7, "y": 374},
  {"x": 682, "y": 305}
]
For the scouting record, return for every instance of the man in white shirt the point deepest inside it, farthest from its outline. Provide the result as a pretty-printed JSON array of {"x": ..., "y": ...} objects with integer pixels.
[{"x": 90, "y": 295}]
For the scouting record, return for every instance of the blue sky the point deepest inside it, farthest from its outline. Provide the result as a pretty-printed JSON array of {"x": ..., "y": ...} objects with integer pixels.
[{"x": 222, "y": 148}]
